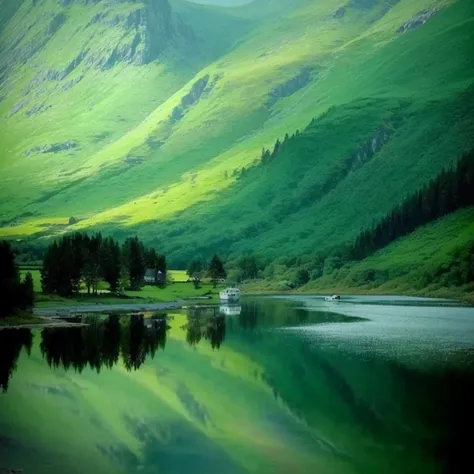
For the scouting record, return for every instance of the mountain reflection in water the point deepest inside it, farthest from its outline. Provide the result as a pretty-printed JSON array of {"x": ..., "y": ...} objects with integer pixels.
[{"x": 275, "y": 388}]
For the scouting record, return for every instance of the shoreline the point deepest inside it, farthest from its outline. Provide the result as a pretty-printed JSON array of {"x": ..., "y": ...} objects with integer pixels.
[
  {"x": 49, "y": 314},
  {"x": 465, "y": 298}
]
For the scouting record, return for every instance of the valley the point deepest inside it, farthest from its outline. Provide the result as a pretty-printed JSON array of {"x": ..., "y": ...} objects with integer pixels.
[{"x": 150, "y": 118}]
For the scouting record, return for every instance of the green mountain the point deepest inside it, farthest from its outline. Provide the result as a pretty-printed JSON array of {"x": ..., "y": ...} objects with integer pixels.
[{"x": 151, "y": 117}]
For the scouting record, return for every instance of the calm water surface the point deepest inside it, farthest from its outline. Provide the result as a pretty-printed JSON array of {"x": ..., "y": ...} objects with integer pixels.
[{"x": 366, "y": 385}]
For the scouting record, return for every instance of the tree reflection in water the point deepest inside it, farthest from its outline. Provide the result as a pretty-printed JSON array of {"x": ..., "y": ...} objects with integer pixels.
[
  {"x": 102, "y": 341},
  {"x": 205, "y": 323},
  {"x": 12, "y": 341}
]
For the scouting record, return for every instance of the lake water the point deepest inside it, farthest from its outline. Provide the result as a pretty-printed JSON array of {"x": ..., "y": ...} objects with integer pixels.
[{"x": 299, "y": 385}]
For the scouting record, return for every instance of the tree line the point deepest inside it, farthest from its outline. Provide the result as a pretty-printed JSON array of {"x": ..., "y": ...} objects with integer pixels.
[
  {"x": 269, "y": 154},
  {"x": 451, "y": 190},
  {"x": 78, "y": 258},
  {"x": 215, "y": 270},
  {"x": 16, "y": 294}
]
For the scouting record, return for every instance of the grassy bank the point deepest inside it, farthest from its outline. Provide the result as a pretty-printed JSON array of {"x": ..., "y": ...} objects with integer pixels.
[{"x": 148, "y": 294}]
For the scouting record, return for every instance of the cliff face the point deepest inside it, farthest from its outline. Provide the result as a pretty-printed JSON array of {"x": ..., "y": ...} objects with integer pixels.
[
  {"x": 157, "y": 29},
  {"x": 107, "y": 32},
  {"x": 48, "y": 47}
]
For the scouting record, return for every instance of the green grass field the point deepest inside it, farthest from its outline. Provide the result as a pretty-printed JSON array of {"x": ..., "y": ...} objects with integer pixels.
[{"x": 148, "y": 294}]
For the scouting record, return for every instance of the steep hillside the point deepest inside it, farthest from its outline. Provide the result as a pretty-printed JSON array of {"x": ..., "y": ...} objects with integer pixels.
[
  {"x": 88, "y": 92},
  {"x": 168, "y": 141},
  {"x": 426, "y": 261}
]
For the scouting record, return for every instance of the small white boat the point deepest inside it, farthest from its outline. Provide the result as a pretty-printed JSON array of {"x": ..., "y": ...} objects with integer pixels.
[
  {"x": 230, "y": 295},
  {"x": 332, "y": 298}
]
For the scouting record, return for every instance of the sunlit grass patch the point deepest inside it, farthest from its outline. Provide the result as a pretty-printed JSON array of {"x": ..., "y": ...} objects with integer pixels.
[
  {"x": 35, "y": 226},
  {"x": 178, "y": 275}
]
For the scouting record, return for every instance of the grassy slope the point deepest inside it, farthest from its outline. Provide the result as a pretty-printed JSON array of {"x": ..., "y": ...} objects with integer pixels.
[
  {"x": 233, "y": 111},
  {"x": 409, "y": 258},
  {"x": 401, "y": 267},
  {"x": 110, "y": 113},
  {"x": 431, "y": 121},
  {"x": 251, "y": 77},
  {"x": 103, "y": 106}
]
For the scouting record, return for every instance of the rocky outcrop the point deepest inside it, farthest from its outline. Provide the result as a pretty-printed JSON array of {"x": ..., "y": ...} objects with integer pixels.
[
  {"x": 200, "y": 89},
  {"x": 149, "y": 29},
  {"x": 289, "y": 87},
  {"x": 38, "y": 108},
  {"x": 154, "y": 143},
  {"x": 418, "y": 20},
  {"x": 368, "y": 4},
  {"x": 74, "y": 64},
  {"x": 17, "y": 107},
  {"x": 53, "y": 148},
  {"x": 134, "y": 160},
  {"x": 56, "y": 23},
  {"x": 368, "y": 149},
  {"x": 157, "y": 28},
  {"x": 52, "y": 390},
  {"x": 100, "y": 137},
  {"x": 339, "y": 13}
]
